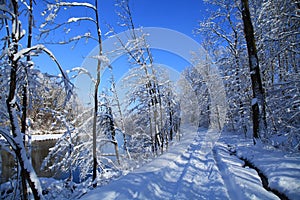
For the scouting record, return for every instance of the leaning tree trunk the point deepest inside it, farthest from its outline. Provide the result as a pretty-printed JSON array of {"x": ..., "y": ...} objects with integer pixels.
[
  {"x": 258, "y": 102},
  {"x": 27, "y": 172}
]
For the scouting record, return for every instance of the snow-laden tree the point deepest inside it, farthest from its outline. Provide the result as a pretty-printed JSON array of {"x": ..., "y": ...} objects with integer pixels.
[
  {"x": 117, "y": 104},
  {"x": 140, "y": 56},
  {"x": 49, "y": 98},
  {"x": 190, "y": 111},
  {"x": 54, "y": 9},
  {"x": 276, "y": 27},
  {"x": 277, "y": 34},
  {"x": 194, "y": 82},
  {"x": 138, "y": 108},
  {"x": 203, "y": 78},
  {"x": 15, "y": 58},
  {"x": 62, "y": 157},
  {"x": 73, "y": 151},
  {"x": 229, "y": 34},
  {"x": 224, "y": 41},
  {"x": 139, "y": 111},
  {"x": 107, "y": 123},
  {"x": 171, "y": 106}
]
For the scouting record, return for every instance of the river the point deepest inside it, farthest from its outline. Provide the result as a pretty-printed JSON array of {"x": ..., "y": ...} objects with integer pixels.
[{"x": 40, "y": 150}]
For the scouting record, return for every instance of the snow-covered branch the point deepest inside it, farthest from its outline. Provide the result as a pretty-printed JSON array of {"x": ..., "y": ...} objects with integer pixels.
[
  {"x": 8, "y": 137},
  {"x": 71, "y": 4},
  {"x": 69, "y": 21},
  {"x": 42, "y": 48}
]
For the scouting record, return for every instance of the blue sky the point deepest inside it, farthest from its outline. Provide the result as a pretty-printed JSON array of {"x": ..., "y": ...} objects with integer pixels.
[
  {"x": 182, "y": 16},
  {"x": 178, "y": 15}
]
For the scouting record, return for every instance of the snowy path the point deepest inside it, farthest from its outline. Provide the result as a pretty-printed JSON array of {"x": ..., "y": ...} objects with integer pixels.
[
  {"x": 196, "y": 168},
  {"x": 182, "y": 173}
]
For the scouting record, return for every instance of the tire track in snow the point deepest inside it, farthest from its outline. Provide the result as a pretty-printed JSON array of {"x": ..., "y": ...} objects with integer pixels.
[
  {"x": 187, "y": 171},
  {"x": 229, "y": 182},
  {"x": 200, "y": 178}
]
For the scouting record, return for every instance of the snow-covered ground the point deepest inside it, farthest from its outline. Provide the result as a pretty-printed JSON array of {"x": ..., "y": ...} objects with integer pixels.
[{"x": 205, "y": 165}]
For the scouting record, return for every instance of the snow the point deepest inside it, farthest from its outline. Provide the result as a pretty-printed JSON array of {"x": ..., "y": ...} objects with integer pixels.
[
  {"x": 25, "y": 51},
  {"x": 282, "y": 169},
  {"x": 241, "y": 182},
  {"x": 73, "y": 19},
  {"x": 76, "y": 19},
  {"x": 182, "y": 173},
  {"x": 254, "y": 101},
  {"x": 202, "y": 165},
  {"x": 190, "y": 172},
  {"x": 46, "y": 137},
  {"x": 88, "y": 5},
  {"x": 102, "y": 58}
]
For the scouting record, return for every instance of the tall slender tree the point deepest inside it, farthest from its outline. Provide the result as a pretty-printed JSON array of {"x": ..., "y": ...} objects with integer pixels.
[
  {"x": 16, "y": 140},
  {"x": 258, "y": 100},
  {"x": 116, "y": 101},
  {"x": 95, "y": 20},
  {"x": 99, "y": 34},
  {"x": 25, "y": 86},
  {"x": 139, "y": 53}
]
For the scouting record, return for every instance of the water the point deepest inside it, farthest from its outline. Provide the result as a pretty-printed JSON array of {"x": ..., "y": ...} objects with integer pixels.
[{"x": 40, "y": 150}]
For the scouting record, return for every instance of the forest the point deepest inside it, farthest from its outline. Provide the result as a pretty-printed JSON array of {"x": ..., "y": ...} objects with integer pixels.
[{"x": 243, "y": 81}]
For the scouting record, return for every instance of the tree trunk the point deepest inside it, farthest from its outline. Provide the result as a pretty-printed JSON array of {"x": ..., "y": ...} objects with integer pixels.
[
  {"x": 95, "y": 164},
  {"x": 151, "y": 131},
  {"x": 120, "y": 113},
  {"x": 113, "y": 133},
  {"x": 258, "y": 102},
  {"x": 27, "y": 171},
  {"x": 95, "y": 126}
]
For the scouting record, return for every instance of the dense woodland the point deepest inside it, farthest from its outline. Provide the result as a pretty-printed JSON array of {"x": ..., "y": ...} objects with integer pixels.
[{"x": 255, "y": 45}]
